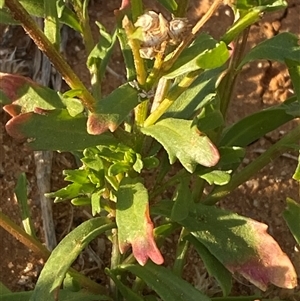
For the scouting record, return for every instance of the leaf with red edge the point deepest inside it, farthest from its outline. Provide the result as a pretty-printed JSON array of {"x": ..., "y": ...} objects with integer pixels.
[
  {"x": 55, "y": 130},
  {"x": 182, "y": 140},
  {"x": 241, "y": 244},
  {"x": 134, "y": 225},
  {"x": 112, "y": 110},
  {"x": 21, "y": 95},
  {"x": 244, "y": 246}
]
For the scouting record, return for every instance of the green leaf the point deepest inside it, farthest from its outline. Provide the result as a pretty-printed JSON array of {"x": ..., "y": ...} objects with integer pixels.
[
  {"x": 64, "y": 295},
  {"x": 127, "y": 293},
  {"x": 6, "y": 18},
  {"x": 69, "y": 18},
  {"x": 170, "y": 5},
  {"x": 51, "y": 24},
  {"x": 73, "y": 105},
  {"x": 150, "y": 162},
  {"x": 3, "y": 289},
  {"x": 265, "y": 5},
  {"x": 294, "y": 71},
  {"x": 182, "y": 201},
  {"x": 254, "y": 126},
  {"x": 133, "y": 221},
  {"x": 36, "y": 8},
  {"x": 168, "y": 286},
  {"x": 209, "y": 119},
  {"x": 230, "y": 156},
  {"x": 71, "y": 191},
  {"x": 64, "y": 255},
  {"x": 214, "y": 267},
  {"x": 77, "y": 175},
  {"x": 127, "y": 55},
  {"x": 216, "y": 177},
  {"x": 92, "y": 159},
  {"x": 71, "y": 284},
  {"x": 296, "y": 175},
  {"x": 118, "y": 168},
  {"x": 95, "y": 202},
  {"x": 21, "y": 194},
  {"x": 112, "y": 110},
  {"x": 17, "y": 296},
  {"x": 183, "y": 141},
  {"x": 201, "y": 92},
  {"x": 55, "y": 130},
  {"x": 281, "y": 47},
  {"x": 101, "y": 53},
  {"x": 291, "y": 216},
  {"x": 81, "y": 201},
  {"x": 204, "y": 53}
]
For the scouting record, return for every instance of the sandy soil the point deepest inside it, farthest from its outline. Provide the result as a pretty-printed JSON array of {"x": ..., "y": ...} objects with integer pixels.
[{"x": 260, "y": 85}]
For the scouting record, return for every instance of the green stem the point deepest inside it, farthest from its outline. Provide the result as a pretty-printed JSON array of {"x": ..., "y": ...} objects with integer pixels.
[
  {"x": 174, "y": 93},
  {"x": 43, "y": 43},
  {"x": 253, "y": 168},
  {"x": 41, "y": 251},
  {"x": 198, "y": 186},
  {"x": 141, "y": 112},
  {"x": 181, "y": 252},
  {"x": 227, "y": 84},
  {"x": 244, "y": 22},
  {"x": 115, "y": 261},
  {"x": 182, "y": 173}
]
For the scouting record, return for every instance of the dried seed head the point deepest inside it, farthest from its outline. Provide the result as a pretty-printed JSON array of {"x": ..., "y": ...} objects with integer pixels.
[
  {"x": 154, "y": 28},
  {"x": 147, "y": 21},
  {"x": 178, "y": 27},
  {"x": 155, "y": 33}
]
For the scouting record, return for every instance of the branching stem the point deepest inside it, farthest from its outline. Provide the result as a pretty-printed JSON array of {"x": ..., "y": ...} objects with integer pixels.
[{"x": 43, "y": 43}]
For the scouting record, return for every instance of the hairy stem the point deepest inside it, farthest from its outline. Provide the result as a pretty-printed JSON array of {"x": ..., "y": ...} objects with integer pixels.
[{"x": 43, "y": 43}]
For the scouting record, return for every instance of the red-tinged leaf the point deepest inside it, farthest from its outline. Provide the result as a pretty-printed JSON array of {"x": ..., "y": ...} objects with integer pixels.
[
  {"x": 269, "y": 264},
  {"x": 112, "y": 110},
  {"x": 241, "y": 244},
  {"x": 125, "y": 4},
  {"x": 12, "y": 110},
  {"x": 134, "y": 225},
  {"x": 182, "y": 140},
  {"x": 25, "y": 95},
  {"x": 55, "y": 130},
  {"x": 10, "y": 84}
]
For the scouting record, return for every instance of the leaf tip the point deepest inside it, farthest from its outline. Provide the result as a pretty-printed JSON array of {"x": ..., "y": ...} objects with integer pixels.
[{"x": 97, "y": 124}]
